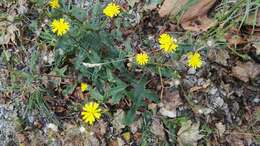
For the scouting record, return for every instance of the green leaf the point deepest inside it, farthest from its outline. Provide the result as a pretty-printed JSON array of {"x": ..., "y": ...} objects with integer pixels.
[
  {"x": 116, "y": 90},
  {"x": 257, "y": 138},
  {"x": 117, "y": 97},
  {"x": 130, "y": 116},
  {"x": 69, "y": 89},
  {"x": 140, "y": 92},
  {"x": 78, "y": 12},
  {"x": 6, "y": 56},
  {"x": 117, "y": 93},
  {"x": 96, "y": 94},
  {"x": 60, "y": 71},
  {"x": 172, "y": 129},
  {"x": 33, "y": 61},
  {"x": 151, "y": 96}
]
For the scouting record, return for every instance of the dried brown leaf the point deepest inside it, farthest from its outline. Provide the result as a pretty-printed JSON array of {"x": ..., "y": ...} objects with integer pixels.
[
  {"x": 157, "y": 128},
  {"x": 253, "y": 19},
  {"x": 194, "y": 18},
  {"x": 202, "y": 23},
  {"x": 234, "y": 37},
  {"x": 189, "y": 134},
  {"x": 257, "y": 47},
  {"x": 200, "y": 9},
  {"x": 219, "y": 56},
  {"x": 246, "y": 71},
  {"x": 171, "y": 7},
  {"x": 220, "y": 128},
  {"x": 170, "y": 101}
]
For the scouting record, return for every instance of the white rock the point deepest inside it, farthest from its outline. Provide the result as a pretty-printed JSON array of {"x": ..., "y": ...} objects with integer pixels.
[
  {"x": 168, "y": 113},
  {"x": 53, "y": 127}
]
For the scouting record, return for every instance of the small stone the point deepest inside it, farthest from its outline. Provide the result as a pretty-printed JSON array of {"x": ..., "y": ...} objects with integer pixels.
[
  {"x": 218, "y": 102},
  {"x": 256, "y": 100},
  {"x": 168, "y": 113},
  {"x": 82, "y": 129},
  {"x": 191, "y": 71},
  {"x": 213, "y": 91},
  {"x": 52, "y": 126}
]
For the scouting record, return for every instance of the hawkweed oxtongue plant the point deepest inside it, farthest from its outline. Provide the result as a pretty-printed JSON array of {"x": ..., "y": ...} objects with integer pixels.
[
  {"x": 88, "y": 41},
  {"x": 90, "y": 50}
]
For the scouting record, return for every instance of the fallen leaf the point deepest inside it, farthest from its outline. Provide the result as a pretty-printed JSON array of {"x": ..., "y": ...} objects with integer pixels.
[
  {"x": 220, "y": 129},
  {"x": 9, "y": 34},
  {"x": 170, "y": 101},
  {"x": 151, "y": 4},
  {"x": 136, "y": 125},
  {"x": 8, "y": 29},
  {"x": 219, "y": 56},
  {"x": 120, "y": 142},
  {"x": 138, "y": 138},
  {"x": 237, "y": 138},
  {"x": 200, "y": 9},
  {"x": 189, "y": 134},
  {"x": 234, "y": 37},
  {"x": 157, "y": 128},
  {"x": 118, "y": 120},
  {"x": 132, "y": 2},
  {"x": 257, "y": 47},
  {"x": 253, "y": 19},
  {"x": 194, "y": 18},
  {"x": 78, "y": 93},
  {"x": 22, "y": 7},
  {"x": 202, "y": 23},
  {"x": 22, "y": 138},
  {"x": 246, "y": 71},
  {"x": 100, "y": 128},
  {"x": 171, "y": 7},
  {"x": 72, "y": 136},
  {"x": 114, "y": 142}
]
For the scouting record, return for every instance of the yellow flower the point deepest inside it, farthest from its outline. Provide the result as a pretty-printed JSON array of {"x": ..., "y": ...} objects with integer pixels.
[
  {"x": 91, "y": 112},
  {"x": 167, "y": 43},
  {"x": 60, "y": 26},
  {"x": 194, "y": 60},
  {"x": 84, "y": 87},
  {"x": 111, "y": 10},
  {"x": 54, "y": 4},
  {"x": 142, "y": 58}
]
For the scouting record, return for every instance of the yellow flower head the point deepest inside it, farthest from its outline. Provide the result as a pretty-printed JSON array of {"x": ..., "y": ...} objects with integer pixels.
[
  {"x": 84, "y": 87},
  {"x": 111, "y": 10},
  {"x": 60, "y": 26},
  {"x": 167, "y": 43},
  {"x": 91, "y": 112},
  {"x": 142, "y": 58},
  {"x": 54, "y": 4},
  {"x": 194, "y": 60}
]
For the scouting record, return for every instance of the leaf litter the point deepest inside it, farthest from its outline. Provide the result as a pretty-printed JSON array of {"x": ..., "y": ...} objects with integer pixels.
[{"x": 212, "y": 91}]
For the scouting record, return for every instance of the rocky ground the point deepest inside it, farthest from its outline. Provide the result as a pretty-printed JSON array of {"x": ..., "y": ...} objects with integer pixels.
[{"x": 217, "y": 104}]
